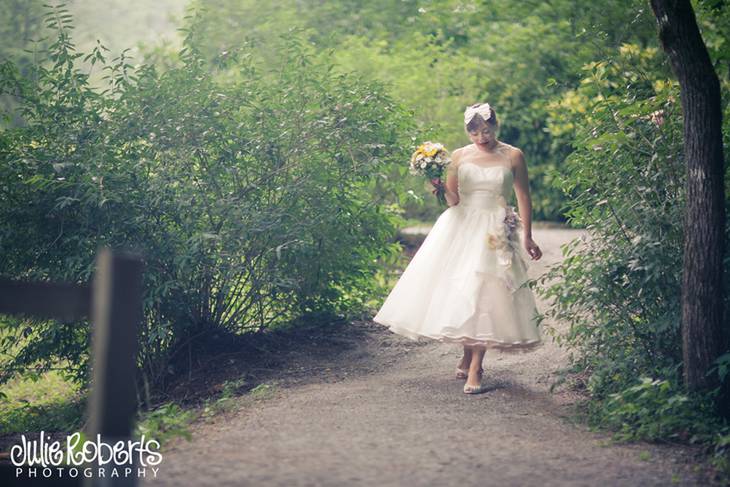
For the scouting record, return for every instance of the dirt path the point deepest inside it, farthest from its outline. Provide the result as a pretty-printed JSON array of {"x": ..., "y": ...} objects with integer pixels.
[{"x": 387, "y": 411}]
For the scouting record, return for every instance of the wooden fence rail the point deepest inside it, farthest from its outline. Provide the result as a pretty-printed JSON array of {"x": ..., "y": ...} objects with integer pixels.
[{"x": 114, "y": 304}]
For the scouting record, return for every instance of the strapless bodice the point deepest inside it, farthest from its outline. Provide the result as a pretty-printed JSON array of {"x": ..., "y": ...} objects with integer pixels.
[{"x": 484, "y": 186}]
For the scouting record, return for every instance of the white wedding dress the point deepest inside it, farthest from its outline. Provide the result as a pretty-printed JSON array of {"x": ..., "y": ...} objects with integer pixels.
[{"x": 467, "y": 281}]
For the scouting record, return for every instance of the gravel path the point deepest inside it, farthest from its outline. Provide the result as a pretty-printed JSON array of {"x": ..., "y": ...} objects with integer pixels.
[{"x": 387, "y": 411}]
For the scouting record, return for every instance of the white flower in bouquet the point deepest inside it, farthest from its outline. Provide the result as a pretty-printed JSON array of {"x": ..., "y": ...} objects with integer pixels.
[{"x": 430, "y": 159}]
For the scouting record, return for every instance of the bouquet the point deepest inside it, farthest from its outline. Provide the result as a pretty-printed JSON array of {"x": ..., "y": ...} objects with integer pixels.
[{"x": 430, "y": 159}]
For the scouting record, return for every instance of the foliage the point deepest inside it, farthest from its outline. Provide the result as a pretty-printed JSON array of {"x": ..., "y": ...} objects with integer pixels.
[
  {"x": 438, "y": 56},
  {"x": 620, "y": 288},
  {"x": 247, "y": 189},
  {"x": 20, "y": 24},
  {"x": 40, "y": 402},
  {"x": 656, "y": 409},
  {"x": 660, "y": 410},
  {"x": 20, "y": 35},
  {"x": 164, "y": 423}
]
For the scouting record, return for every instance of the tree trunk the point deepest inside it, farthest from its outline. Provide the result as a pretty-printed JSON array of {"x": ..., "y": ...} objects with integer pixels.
[{"x": 703, "y": 334}]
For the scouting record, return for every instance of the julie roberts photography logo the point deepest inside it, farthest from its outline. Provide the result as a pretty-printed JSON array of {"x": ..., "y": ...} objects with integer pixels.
[{"x": 77, "y": 456}]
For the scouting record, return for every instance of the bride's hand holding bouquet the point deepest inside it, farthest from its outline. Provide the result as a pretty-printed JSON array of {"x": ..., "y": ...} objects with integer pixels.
[{"x": 430, "y": 159}]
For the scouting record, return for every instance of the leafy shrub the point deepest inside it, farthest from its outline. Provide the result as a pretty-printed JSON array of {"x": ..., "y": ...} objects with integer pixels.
[
  {"x": 656, "y": 409},
  {"x": 620, "y": 288},
  {"x": 659, "y": 410},
  {"x": 248, "y": 189}
]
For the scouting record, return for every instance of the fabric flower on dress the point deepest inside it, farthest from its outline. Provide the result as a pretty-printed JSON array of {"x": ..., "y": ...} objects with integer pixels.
[
  {"x": 512, "y": 221},
  {"x": 494, "y": 241},
  {"x": 504, "y": 240}
]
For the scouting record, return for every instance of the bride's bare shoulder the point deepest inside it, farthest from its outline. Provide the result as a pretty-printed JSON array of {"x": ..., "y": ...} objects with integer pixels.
[
  {"x": 510, "y": 149},
  {"x": 514, "y": 153},
  {"x": 457, "y": 154}
]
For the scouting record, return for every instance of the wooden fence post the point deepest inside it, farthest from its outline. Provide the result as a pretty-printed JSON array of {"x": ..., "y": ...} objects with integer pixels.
[
  {"x": 116, "y": 315},
  {"x": 114, "y": 304}
]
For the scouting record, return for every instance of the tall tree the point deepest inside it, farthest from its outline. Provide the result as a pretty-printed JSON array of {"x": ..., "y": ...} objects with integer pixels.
[{"x": 703, "y": 333}]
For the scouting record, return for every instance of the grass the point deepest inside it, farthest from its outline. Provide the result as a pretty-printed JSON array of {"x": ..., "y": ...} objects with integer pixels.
[
  {"x": 33, "y": 401},
  {"x": 52, "y": 403},
  {"x": 48, "y": 402}
]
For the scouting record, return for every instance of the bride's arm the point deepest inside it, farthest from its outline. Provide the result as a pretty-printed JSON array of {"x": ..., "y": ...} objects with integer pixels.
[
  {"x": 522, "y": 192},
  {"x": 452, "y": 180}
]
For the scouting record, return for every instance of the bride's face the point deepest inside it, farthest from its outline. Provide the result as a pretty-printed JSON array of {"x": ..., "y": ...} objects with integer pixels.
[{"x": 483, "y": 135}]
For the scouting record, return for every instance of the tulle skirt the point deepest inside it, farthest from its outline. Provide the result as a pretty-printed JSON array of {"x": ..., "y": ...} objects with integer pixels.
[{"x": 467, "y": 283}]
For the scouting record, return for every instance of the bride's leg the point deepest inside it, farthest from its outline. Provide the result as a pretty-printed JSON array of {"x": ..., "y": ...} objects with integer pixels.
[
  {"x": 475, "y": 367},
  {"x": 466, "y": 359}
]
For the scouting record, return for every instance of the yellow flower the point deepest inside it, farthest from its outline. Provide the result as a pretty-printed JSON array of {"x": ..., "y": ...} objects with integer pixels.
[{"x": 494, "y": 242}]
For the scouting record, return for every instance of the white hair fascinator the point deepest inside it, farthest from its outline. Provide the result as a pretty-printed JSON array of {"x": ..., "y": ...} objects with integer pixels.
[{"x": 482, "y": 109}]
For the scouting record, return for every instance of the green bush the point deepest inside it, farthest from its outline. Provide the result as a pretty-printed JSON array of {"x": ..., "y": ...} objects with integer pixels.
[
  {"x": 656, "y": 409},
  {"x": 247, "y": 188},
  {"x": 620, "y": 288},
  {"x": 660, "y": 410}
]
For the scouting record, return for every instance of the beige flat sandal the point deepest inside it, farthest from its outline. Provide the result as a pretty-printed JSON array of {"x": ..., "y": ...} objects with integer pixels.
[{"x": 474, "y": 389}]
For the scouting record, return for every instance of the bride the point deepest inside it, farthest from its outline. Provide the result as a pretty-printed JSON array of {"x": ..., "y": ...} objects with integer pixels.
[{"x": 467, "y": 283}]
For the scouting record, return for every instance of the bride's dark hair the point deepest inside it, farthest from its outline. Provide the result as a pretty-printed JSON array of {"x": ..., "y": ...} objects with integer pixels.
[{"x": 477, "y": 120}]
